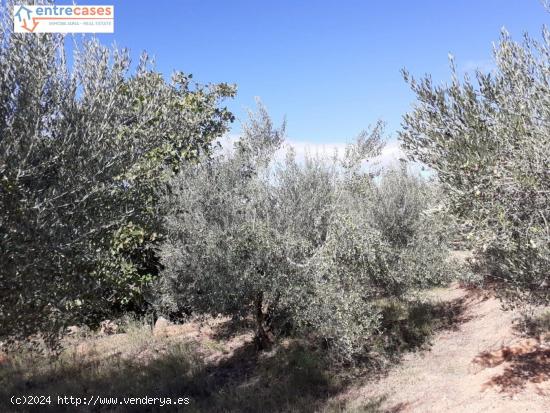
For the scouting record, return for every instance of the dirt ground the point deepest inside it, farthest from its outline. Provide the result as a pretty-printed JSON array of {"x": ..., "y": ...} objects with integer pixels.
[
  {"x": 483, "y": 362},
  {"x": 483, "y": 365}
]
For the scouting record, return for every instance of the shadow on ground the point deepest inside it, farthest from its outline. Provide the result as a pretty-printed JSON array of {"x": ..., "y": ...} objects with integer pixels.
[
  {"x": 295, "y": 377},
  {"x": 527, "y": 361},
  {"x": 410, "y": 325}
]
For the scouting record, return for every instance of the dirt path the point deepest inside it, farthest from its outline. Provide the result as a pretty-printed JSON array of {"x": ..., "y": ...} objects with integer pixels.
[{"x": 483, "y": 365}]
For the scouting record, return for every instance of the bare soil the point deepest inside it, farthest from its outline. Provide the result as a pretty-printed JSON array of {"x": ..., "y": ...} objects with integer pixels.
[
  {"x": 484, "y": 364},
  {"x": 480, "y": 361}
]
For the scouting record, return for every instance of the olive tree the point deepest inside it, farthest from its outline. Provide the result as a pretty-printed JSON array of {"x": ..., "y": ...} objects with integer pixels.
[
  {"x": 487, "y": 139},
  {"x": 83, "y": 148},
  {"x": 297, "y": 246},
  {"x": 408, "y": 211}
]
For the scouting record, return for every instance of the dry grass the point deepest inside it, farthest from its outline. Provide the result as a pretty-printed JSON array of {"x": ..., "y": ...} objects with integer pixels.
[
  {"x": 457, "y": 352},
  {"x": 195, "y": 360}
]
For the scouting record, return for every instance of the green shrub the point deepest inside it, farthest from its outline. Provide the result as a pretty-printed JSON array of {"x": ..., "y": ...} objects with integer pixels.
[
  {"x": 83, "y": 150},
  {"x": 487, "y": 140},
  {"x": 302, "y": 247},
  {"x": 408, "y": 212}
]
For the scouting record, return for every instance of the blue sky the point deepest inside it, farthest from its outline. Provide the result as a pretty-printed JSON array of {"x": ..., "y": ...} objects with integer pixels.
[{"x": 332, "y": 67}]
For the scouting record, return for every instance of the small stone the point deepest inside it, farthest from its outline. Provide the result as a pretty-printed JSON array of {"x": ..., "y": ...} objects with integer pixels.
[
  {"x": 108, "y": 327},
  {"x": 73, "y": 330},
  {"x": 160, "y": 326}
]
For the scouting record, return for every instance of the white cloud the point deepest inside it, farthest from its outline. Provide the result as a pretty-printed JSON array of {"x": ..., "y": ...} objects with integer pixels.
[
  {"x": 323, "y": 150},
  {"x": 389, "y": 157}
]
